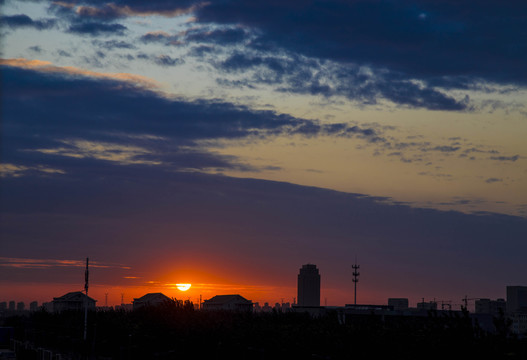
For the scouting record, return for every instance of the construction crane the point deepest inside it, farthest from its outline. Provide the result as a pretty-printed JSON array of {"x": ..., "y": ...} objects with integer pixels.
[
  {"x": 466, "y": 300},
  {"x": 447, "y": 303}
]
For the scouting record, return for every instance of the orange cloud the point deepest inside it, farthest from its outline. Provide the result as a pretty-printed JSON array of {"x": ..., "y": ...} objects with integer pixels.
[
  {"x": 126, "y": 10},
  {"x": 48, "y": 67}
]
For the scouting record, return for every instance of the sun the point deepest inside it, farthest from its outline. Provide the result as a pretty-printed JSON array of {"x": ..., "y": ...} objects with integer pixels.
[{"x": 183, "y": 287}]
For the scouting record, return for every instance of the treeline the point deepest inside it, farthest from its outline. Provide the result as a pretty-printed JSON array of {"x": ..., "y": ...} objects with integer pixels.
[{"x": 175, "y": 331}]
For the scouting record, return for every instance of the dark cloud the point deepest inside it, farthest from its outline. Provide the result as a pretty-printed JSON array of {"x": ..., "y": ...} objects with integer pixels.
[
  {"x": 453, "y": 45},
  {"x": 408, "y": 52},
  {"x": 166, "y": 60},
  {"x": 307, "y": 76},
  {"x": 35, "y": 48},
  {"x": 160, "y": 37},
  {"x": 109, "y": 215},
  {"x": 105, "y": 12},
  {"x": 97, "y": 29},
  {"x": 443, "y": 148},
  {"x": 217, "y": 36},
  {"x": 65, "y": 121},
  {"x": 202, "y": 50},
  {"x": 493, "y": 180},
  {"x": 63, "y": 53},
  {"x": 113, "y": 44},
  {"x": 21, "y": 20},
  {"x": 505, "y": 158},
  {"x": 430, "y": 40}
]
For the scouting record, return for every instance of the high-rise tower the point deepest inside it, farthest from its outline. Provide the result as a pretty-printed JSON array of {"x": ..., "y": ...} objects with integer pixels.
[{"x": 309, "y": 286}]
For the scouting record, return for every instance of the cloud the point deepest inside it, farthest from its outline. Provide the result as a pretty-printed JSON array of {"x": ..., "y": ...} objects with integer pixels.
[
  {"x": 21, "y": 20},
  {"x": 121, "y": 154},
  {"x": 412, "y": 54},
  {"x": 109, "y": 214},
  {"x": 114, "y": 10},
  {"x": 505, "y": 158},
  {"x": 443, "y": 148},
  {"x": 52, "y": 263},
  {"x": 35, "y": 48},
  {"x": 48, "y": 67},
  {"x": 220, "y": 36},
  {"x": 166, "y": 60},
  {"x": 113, "y": 44},
  {"x": 107, "y": 120},
  {"x": 493, "y": 180},
  {"x": 97, "y": 29},
  {"x": 307, "y": 76},
  {"x": 13, "y": 170},
  {"x": 391, "y": 35}
]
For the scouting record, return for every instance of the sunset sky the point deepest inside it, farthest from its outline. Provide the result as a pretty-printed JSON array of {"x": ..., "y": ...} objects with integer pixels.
[{"x": 225, "y": 143}]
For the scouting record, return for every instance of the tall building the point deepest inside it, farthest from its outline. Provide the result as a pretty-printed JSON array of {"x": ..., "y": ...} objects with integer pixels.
[
  {"x": 488, "y": 306},
  {"x": 516, "y": 299},
  {"x": 308, "y": 286},
  {"x": 20, "y": 306},
  {"x": 398, "y": 303},
  {"x": 33, "y": 306}
]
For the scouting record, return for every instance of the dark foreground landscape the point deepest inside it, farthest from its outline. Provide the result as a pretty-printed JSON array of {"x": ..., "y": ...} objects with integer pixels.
[{"x": 179, "y": 332}]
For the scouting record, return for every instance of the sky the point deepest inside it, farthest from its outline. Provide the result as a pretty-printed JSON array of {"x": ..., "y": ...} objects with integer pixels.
[{"x": 226, "y": 143}]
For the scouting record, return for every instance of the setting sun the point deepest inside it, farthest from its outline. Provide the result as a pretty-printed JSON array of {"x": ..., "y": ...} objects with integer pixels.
[{"x": 183, "y": 287}]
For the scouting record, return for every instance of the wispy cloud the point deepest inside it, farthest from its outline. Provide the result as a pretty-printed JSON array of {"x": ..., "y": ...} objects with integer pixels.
[
  {"x": 48, "y": 67},
  {"x": 505, "y": 158},
  {"x": 13, "y": 170},
  {"x": 122, "y": 154},
  {"x": 53, "y": 263}
]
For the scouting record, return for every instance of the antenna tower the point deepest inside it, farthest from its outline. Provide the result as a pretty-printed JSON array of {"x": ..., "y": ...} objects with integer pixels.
[
  {"x": 86, "y": 278},
  {"x": 355, "y": 278}
]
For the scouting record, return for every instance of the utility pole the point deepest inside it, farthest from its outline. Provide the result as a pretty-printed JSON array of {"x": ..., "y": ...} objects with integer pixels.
[
  {"x": 355, "y": 278},
  {"x": 86, "y": 278}
]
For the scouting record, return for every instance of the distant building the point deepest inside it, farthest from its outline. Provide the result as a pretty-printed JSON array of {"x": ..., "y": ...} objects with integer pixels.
[
  {"x": 398, "y": 303},
  {"x": 519, "y": 323},
  {"x": 266, "y": 307},
  {"x": 516, "y": 299},
  {"x": 228, "y": 302},
  {"x": 33, "y": 306},
  {"x": 488, "y": 306},
  {"x": 124, "y": 307},
  {"x": 20, "y": 306},
  {"x": 151, "y": 299},
  {"x": 73, "y": 301},
  {"x": 48, "y": 306},
  {"x": 431, "y": 305},
  {"x": 12, "y": 305},
  {"x": 308, "y": 286},
  {"x": 3, "y": 305}
]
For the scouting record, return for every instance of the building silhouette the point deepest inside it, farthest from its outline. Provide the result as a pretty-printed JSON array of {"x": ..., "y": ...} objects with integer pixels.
[
  {"x": 228, "y": 302},
  {"x": 75, "y": 300},
  {"x": 20, "y": 306},
  {"x": 516, "y": 299},
  {"x": 488, "y": 306},
  {"x": 308, "y": 286},
  {"x": 151, "y": 299},
  {"x": 398, "y": 303}
]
